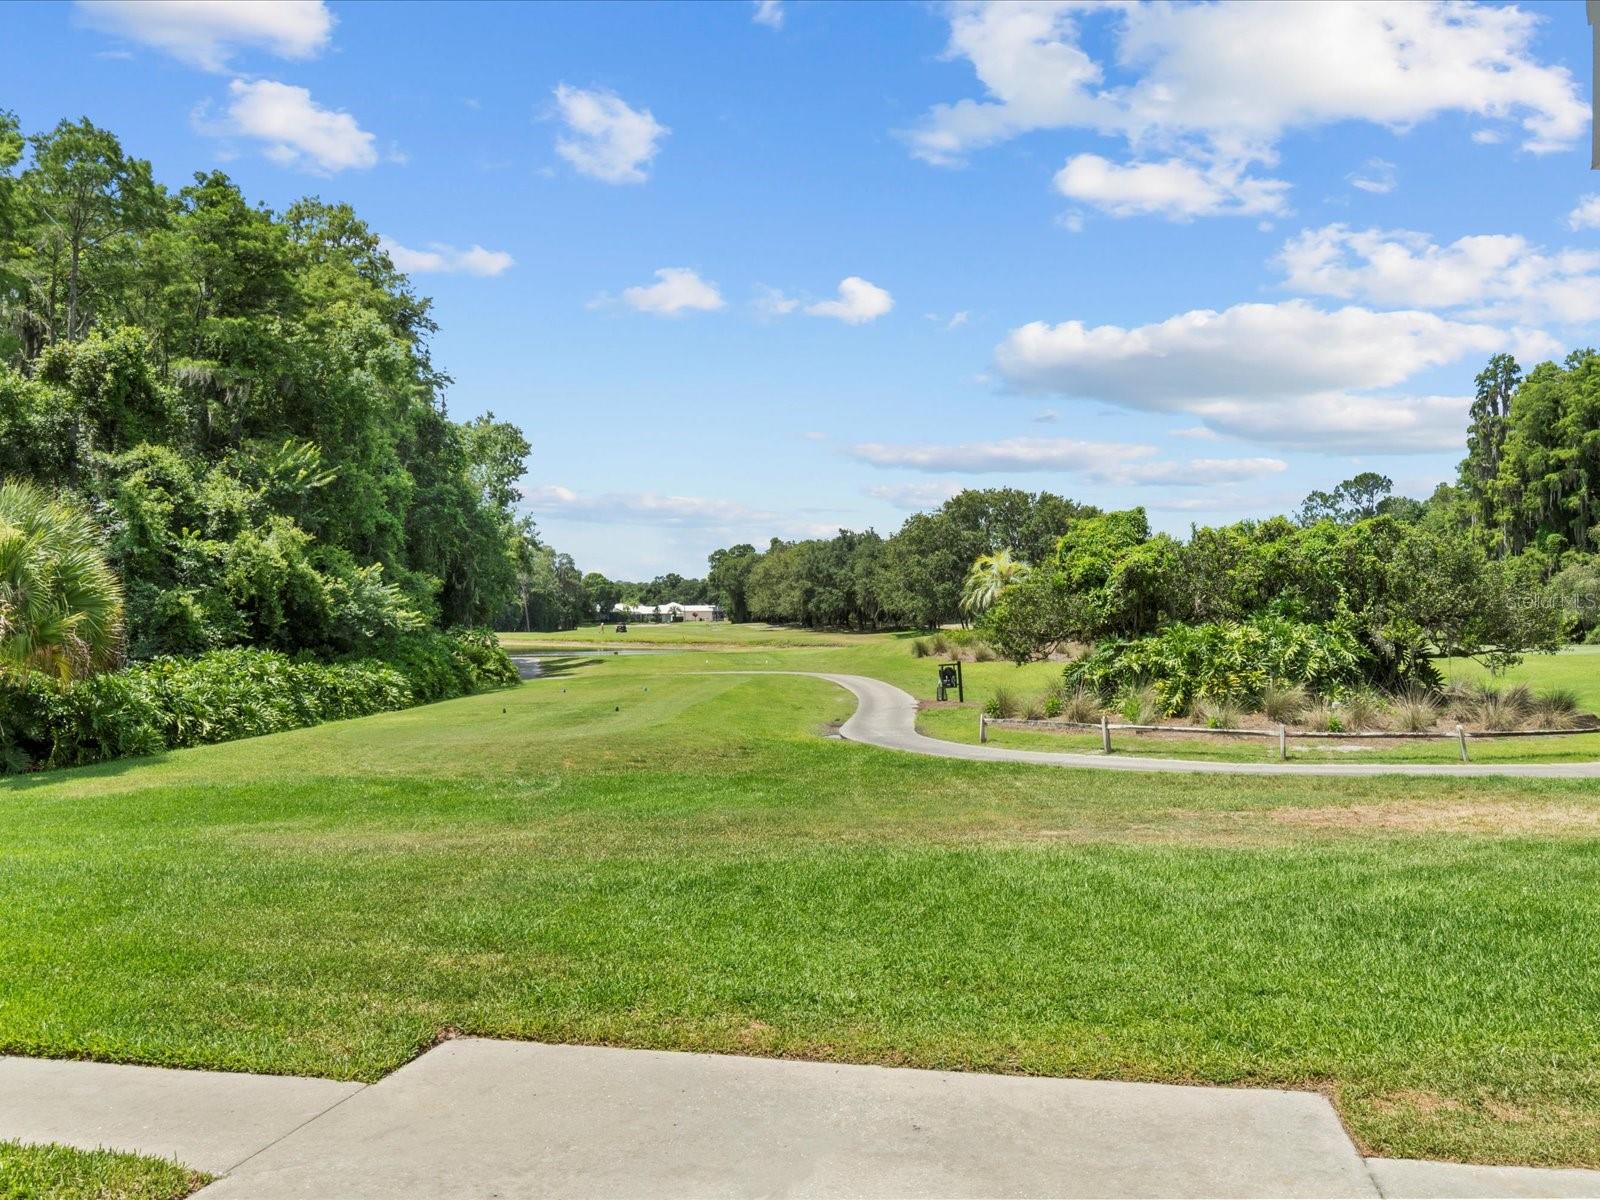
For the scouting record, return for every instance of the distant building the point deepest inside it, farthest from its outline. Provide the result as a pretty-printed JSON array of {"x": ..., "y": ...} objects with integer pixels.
[{"x": 666, "y": 613}]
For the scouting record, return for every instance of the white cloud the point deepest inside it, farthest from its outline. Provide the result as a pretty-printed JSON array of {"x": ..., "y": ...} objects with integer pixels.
[
  {"x": 636, "y": 508},
  {"x": 769, "y": 13},
  {"x": 677, "y": 290},
  {"x": 1377, "y": 175},
  {"x": 1104, "y": 462},
  {"x": 1216, "y": 86},
  {"x": 858, "y": 302},
  {"x": 1199, "y": 433},
  {"x": 1497, "y": 276},
  {"x": 1173, "y": 188},
  {"x": 1487, "y": 137},
  {"x": 1285, "y": 374},
  {"x": 1008, "y": 454},
  {"x": 770, "y": 302},
  {"x": 296, "y": 131},
  {"x": 913, "y": 497},
  {"x": 606, "y": 139},
  {"x": 658, "y": 511},
  {"x": 439, "y": 258},
  {"x": 1587, "y": 214},
  {"x": 207, "y": 33},
  {"x": 958, "y": 320}
]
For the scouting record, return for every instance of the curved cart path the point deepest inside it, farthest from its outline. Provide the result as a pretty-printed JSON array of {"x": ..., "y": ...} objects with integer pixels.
[{"x": 887, "y": 717}]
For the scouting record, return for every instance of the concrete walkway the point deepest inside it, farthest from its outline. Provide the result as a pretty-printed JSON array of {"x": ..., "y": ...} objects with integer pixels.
[
  {"x": 886, "y": 716},
  {"x": 479, "y": 1118}
]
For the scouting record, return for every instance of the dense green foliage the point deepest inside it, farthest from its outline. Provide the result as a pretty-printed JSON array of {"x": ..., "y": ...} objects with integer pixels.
[
  {"x": 1225, "y": 661},
  {"x": 168, "y": 702},
  {"x": 916, "y": 577},
  {"x": 60, "y": 605},
  {"x": 1409, "y": 591},
  {"x": 245, "y": 400}
]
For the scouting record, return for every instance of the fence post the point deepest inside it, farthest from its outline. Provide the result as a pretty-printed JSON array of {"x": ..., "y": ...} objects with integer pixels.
[
  {"x": 1461, "y": 736},
  {"x": 1283, "y": 741},
  {"x": 983, "y": 728},
  {"x": 1105, "y": 734}
]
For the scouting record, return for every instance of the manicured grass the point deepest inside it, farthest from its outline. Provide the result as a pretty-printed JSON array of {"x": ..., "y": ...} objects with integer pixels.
[
  {"x": 656, "y": 852},
  {"x": 31, "y": 1172},
  {"x": 1576, "y": 668}
]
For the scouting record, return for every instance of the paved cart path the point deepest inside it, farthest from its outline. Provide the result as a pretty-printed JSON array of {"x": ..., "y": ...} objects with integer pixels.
[
  {"x": 480, "y": 1118},
  {"x": 886, "y": 716}
]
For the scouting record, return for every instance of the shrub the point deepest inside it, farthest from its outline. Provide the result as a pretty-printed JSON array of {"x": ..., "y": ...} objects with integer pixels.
[
  {"x": 1035, "y": 709},
  {"x": 939, "y": 644},
  {"x": 1284, "y": 702},
  {"x": 1226, "y": 660},
  {"x": 1053, "y": 705},
  {"x": 920, "y": 648},
  {"x": 60, "y": 603},
  {"x": 983, "y": 652},
  {"x": 167, "y": 702}
]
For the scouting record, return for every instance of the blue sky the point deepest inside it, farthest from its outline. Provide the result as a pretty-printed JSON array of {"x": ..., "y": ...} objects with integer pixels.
[{"x": 744, "y": 270}]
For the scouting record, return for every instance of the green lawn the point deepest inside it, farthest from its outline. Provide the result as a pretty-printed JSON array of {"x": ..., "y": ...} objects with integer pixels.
[
  {"x": 653, "y": 851},
  {"x": 28, "y": 1172}
]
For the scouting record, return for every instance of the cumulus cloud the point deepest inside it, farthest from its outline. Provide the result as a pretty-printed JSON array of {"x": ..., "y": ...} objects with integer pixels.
[
  {"x": 769, "y": 13},
  {"x": 295, "y": 131},
  {"x": 1173, "y": 188},
  {"x": 1287, "y": 374},
  {"x": 606, "y": 139},
  {"x": 1494, "y": 276},
  {"x": 1587, "y": 214},
  {"x": 441, "y": 259},
  {"x": 677, "y": 290},
  {"x": 1216, "y": 86},
  {"x": 207, "y": 33},
  {"x": 858, "y": 302},
  {"x": 1103, "y": 462},
  {"x": 914, "y": 497}
]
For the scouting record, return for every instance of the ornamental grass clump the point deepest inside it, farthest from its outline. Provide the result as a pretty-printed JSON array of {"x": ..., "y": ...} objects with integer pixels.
[
  {"x": 1217, "y": 714},
  {"x": 1492, "y": 707},
  {"x": 1414, "y": 710},
  {"x": 1284, "y": 702},
  {"x": 1080, "y": 704},
  {"x": 1362, "y": 711},
  {"x": 1323, "y": 717},
  {"x": 1004, "y": 704},
  {"x": 1141, "y": 705},
  {"x": 1555, "y": 708}
]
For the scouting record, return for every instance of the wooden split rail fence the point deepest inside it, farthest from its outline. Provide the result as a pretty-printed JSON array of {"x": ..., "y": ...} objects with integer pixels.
[{"x": 1106, "y": 728}]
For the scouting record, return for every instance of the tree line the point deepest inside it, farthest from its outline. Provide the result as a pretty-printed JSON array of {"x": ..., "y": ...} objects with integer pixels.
[{"x": 245, "y": 403}]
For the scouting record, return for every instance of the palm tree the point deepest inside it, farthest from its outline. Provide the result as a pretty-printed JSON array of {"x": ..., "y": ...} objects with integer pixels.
[
  {"x": 60, "y": 603},
  {"x": 990, "y": 575}
]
